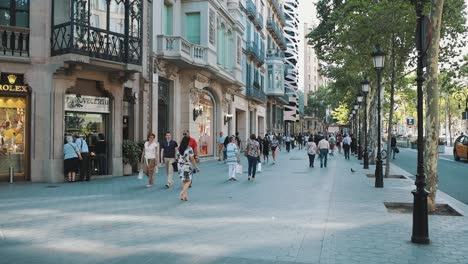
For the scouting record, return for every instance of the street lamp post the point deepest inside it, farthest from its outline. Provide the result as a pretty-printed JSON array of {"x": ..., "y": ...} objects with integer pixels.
[
  {"x": 365, "y": 90},
  {"x": 379, "y": 59},
  {"x": 420, "y": 232},
  {"x": 356, "y": 108},
  {"x": 359, "y": 102}
]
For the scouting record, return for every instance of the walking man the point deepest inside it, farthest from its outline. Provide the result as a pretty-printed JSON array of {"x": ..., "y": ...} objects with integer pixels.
[
  {"x": 393, "y": 144},
  {"x": 287, "y": 140},
  {"x": 323, "y": 147},
  {"x": 169, "y": 152},
  {"x": 332, "y": 141},
  {"x": 346, "y": 145},
  {"x": 82, "y": 146}
]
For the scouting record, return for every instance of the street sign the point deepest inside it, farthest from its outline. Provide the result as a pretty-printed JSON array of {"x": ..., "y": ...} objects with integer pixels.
[
  {"x": 410, "y": 121},
  {"x": 424, "y": 34}
]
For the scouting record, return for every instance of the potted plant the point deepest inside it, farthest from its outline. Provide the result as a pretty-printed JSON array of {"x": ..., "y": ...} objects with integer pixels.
[{"x": 131, "y": 154}]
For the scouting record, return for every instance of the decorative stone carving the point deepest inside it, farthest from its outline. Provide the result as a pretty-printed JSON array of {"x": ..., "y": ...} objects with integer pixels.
[
  {"x": 194, "y": 95},
  {"x": 166, "y": 69},
  {"x": 226, "y": 104},
  {"x": 212, "y": 32}
]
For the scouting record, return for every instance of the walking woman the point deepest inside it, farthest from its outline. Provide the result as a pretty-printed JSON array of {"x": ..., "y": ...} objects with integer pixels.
[
  {"x": 149, "y": 158},
  {"x": 71, "y": 158},
  {"x": 266, "y": 149},
  {"x": 233, "y": 157},
  {"x": 186, "y": 161},
  {"x": 274, "y": 145},
  {"x": 253, "y": 153},
  {"x": 311, "y": 149}
]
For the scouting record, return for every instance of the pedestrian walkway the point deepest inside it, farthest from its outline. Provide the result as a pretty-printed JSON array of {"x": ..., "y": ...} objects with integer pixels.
[{"x": 290, "y": 214}]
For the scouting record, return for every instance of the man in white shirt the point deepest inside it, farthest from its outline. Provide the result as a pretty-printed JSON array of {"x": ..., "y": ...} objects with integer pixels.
[
  {"x": 84, "y": 163},
  {"x": 346, "y": 145},
  {"x": 323, "y": 147}
]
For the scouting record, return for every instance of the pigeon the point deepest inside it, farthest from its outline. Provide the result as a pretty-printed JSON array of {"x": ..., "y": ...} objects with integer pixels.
[{"x": 352, "y": 170}]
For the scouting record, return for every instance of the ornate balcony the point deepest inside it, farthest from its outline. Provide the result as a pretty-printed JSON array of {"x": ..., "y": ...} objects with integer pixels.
[
  {"x": 251, "y": 10},
  {"x": 276, "y": 32},
  {"x": 15, "y": 41},
  {"x": 257, "y": 54},
  {"x": 259, "y": 22},
  {"x": 177, "y": 48},
  {"x": 76, "y": 33},
  {"x": 255, "y": 92}
]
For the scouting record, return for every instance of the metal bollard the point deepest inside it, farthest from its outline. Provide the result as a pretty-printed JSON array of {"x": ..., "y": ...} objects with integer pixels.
[{"x": 11, "y": 174}]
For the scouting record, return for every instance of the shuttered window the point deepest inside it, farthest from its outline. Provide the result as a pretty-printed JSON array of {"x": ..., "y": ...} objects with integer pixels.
[{"x": 192, "y": 27}]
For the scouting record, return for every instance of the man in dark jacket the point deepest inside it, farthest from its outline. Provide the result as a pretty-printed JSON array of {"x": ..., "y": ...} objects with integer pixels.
[{"x": 393, "y": 144}]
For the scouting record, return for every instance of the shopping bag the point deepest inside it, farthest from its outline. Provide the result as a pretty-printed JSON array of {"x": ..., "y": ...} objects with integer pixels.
[
  {"x": 259, "y": 167},
  {"x": 140, "y": 174},
  {"x": 239, "y": 169}
]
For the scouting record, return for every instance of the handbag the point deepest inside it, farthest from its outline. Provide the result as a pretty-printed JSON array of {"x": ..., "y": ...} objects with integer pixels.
[
  {"x": 238, "y": 169},
  {"x": 259, "y": 167},
  {"x": 397, "y": 150},
  {"x": 175, "y": 167}
]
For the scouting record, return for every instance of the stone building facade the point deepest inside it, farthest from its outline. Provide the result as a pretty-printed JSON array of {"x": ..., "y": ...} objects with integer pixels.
[{"x": 84, "y": 65}]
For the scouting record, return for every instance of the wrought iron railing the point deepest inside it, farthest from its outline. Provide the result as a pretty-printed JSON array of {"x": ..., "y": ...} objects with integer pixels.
[
  {"x": 256, "y": 94},
  {"x": 252, "y": 49},
  {"x": 259, "y": 21},
  {"x": 275, "y": 54},
  {"x": 15, "y": 41},
  {"x": 79, "y": 38},
  {"x": 277, "y": 33},
  {"x": 251, "y": 10}
]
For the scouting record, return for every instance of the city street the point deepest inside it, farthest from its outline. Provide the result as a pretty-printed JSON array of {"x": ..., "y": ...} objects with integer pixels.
[
  {"x": 453, "y": 175},
  {"x": 290, "y": 214}
]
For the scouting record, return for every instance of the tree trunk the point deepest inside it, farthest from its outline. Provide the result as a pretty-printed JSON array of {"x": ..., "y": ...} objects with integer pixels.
[
  {"x": 432, "y": 105},
  {"x": 390, "y": 114}
]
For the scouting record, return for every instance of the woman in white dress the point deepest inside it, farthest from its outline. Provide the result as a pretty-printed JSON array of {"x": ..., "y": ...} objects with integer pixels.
[{"x": 186, "y": 161}]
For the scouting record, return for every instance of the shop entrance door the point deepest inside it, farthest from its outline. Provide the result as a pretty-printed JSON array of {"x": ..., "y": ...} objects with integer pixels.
[{"x": 93, "y": 128}]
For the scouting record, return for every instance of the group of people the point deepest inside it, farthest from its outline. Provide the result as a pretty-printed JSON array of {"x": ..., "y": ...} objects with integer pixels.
[
  {"x": 181, "y": 158},
  {"x": 78, "y": 157},
  {"x": 324, "y": 145}
]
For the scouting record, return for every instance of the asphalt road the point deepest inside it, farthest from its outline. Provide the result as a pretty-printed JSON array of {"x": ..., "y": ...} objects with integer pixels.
[{"x": 453, "y": 175}]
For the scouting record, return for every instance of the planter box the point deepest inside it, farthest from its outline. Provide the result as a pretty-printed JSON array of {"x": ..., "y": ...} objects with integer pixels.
[{"x": 127, "y": 169}]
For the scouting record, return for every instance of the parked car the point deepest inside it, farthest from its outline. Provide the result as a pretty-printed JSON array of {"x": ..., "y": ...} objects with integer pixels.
[{"x": 460, "y": 149}]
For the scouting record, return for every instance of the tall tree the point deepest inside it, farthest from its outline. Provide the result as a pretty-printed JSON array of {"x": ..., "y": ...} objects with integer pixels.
[{"x": 432, "y": 104}]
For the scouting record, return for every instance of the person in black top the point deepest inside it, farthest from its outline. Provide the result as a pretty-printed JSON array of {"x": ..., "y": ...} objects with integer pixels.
[
  {"x": 226, "y": 142},
  {"x": 266, "y": 148},
  {"x": 393, "y": 144},
  {"x": 168, "y": 154},
  {"x": 101, "y": 154}
]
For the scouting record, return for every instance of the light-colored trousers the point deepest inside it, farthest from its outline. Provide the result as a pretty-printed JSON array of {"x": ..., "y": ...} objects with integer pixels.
[
  {"x": 232, "y": 171},
  {"x": 169, "y": 169},
  {"x": 220, "y": 152}
]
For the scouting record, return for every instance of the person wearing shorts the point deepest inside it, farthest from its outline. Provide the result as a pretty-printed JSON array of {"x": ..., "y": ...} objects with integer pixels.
[{"x": 149, "y": 158}]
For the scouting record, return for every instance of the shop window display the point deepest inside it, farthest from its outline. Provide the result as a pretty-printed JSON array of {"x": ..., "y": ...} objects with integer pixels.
[
  {"x": 12, "y": 135},
  {"x": 205, "y": 125}
]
